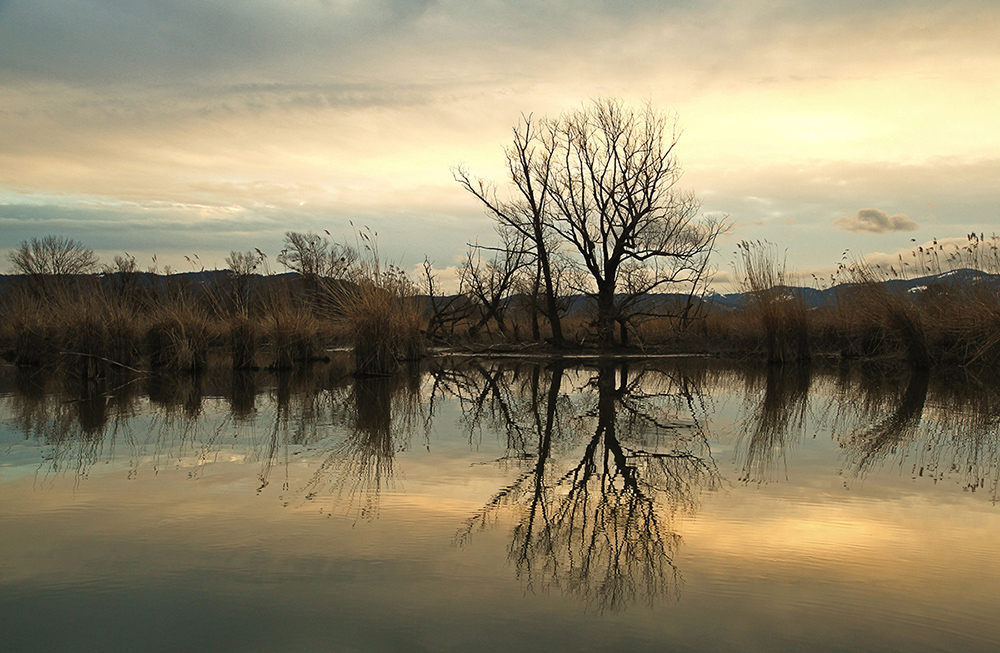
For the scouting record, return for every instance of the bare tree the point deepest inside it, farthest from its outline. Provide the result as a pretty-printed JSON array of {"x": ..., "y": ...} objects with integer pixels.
[
  {"x": 489, "y": 282},
  {"x": 53, "y": 255},
  {"x": 445, "y": 312},
  {"x": 242, "y": 267},
  {"x": 602, "y": 182},
  {"x": 530, "y": 161},
  {"x": 314, "y": 256},
  {"x": 616, "y": 201}
]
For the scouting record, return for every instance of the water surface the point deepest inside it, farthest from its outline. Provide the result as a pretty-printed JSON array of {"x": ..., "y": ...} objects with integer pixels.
[{"x": 681, "y": 505}]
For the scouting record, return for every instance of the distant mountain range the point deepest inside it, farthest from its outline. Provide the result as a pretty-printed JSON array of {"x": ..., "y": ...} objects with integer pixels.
[
  {"x": 816, "y": 298},
  {"x": 813, "y": 297}
]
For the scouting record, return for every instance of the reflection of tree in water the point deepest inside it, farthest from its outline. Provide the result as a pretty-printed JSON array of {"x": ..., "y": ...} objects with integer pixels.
[
  {"x": 491, "y": 397},
  {"x": 601, "y": 527},
  {"x": 773, "y": 417}
]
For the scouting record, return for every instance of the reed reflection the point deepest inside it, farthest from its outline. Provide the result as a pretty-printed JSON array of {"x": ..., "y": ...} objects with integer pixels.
[
  {"x": 935, "y": 426},
  {"x": 381, "y": 414},
  {"x": 242, "y": 396},
  {"x": 80, "y": 421},
  {"x": 603, "y": 477},
  {"x": 608, "y": 441},
  {"x": 898, "y": 424},
  {"x": 774, "y": 418}
]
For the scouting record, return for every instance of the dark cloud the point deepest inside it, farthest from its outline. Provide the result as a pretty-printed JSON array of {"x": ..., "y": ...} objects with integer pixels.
[
  {"x": 164, "y": 41},
  {"x": 153, "y": 42},
  {"x": 169, "y": 42},
  {"x": 875, "y": 222}
]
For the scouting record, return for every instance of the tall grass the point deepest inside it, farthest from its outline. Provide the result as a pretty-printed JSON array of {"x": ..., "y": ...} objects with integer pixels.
[
  {"x": 781, "y": 314},
  {"x": 876, "y": 315},
  {"x": 381, "y": 309},
  {"x": 97, "y": 325},
  {"x": 949, "y": 322},
  {"x": 972, "y": 323},
  {"x": 128, "y": 319},
  {"x": 75, "y": 323}
]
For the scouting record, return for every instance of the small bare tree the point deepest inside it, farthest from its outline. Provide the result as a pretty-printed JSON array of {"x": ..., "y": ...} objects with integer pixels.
[
  {"x": 490, "y": 282},
  {"x": 242, "y": 267},
  {"x": 445, "y": 312},
  {"x": 52, "y": 255},
  {"x": 316, "y": 257}
]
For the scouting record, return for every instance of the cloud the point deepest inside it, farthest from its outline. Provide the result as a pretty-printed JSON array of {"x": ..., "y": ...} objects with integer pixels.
[
  {"x": 308, "y": 114},
  {"x": 875, "y": 222}
]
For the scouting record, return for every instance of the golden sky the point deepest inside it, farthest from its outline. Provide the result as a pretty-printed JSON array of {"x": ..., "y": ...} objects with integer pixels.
[{"x": 183, "y": 127}]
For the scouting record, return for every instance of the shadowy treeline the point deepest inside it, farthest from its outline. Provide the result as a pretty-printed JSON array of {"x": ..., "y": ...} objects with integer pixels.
[{"x": 95, "y": 324}]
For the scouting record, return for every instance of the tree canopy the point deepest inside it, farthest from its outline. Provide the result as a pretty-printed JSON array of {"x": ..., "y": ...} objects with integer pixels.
[
  {"x": 56, "y": 255},
  {"x": 599, "y": 185}
]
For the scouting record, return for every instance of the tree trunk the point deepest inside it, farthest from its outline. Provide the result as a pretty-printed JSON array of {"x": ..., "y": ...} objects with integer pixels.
[
  {"x": 623, "y": 327},
  {"x": 536, "y": 334},
  {"x": 550, "y": 292},
  {"x": 606, "y": 314}
]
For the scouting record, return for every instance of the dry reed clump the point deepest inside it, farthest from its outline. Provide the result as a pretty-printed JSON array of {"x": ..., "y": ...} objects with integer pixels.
[
  {"x": 953, "y": 319},
  {"x": 28, "y": 327},
  {"x": 73, "y": 323},
  {"x": 384, "y": 322},
  {"x": 178, "y": 338},
  {"x": 97, "y": 338},
  {"x": 781, "y": 314},
  {"x": 878, "y": 316},
  {"x": 242, "y": 342},
  {"x": 378, "y": 304},
  {"x": 971, "y": 328},
  {"x": 279, "y": 321},
  {"x": 295, "y": 337}
]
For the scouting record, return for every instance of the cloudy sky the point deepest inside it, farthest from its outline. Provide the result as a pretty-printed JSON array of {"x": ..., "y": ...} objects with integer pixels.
[{"x": 183, "y": 127}]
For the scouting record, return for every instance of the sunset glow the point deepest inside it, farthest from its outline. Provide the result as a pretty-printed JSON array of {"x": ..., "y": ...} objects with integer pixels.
[{"x": 183, "y": 127}]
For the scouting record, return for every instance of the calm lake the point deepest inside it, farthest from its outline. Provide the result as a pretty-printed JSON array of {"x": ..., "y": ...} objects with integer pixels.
[{"x": 469, "y": 504}]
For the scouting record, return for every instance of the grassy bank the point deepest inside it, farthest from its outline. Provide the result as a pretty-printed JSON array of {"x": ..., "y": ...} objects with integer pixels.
[
  {"x": 953, "y": 318},
  {"x": 98, "y": 325}
]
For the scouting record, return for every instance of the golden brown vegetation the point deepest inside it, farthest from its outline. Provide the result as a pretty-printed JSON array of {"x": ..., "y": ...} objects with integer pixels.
[
  {"x": 381, "y": 310},
  {"x": 94, "y": 325},
  {"x": 875, "y": 313},
  {"x": 97, "y": 325}
]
